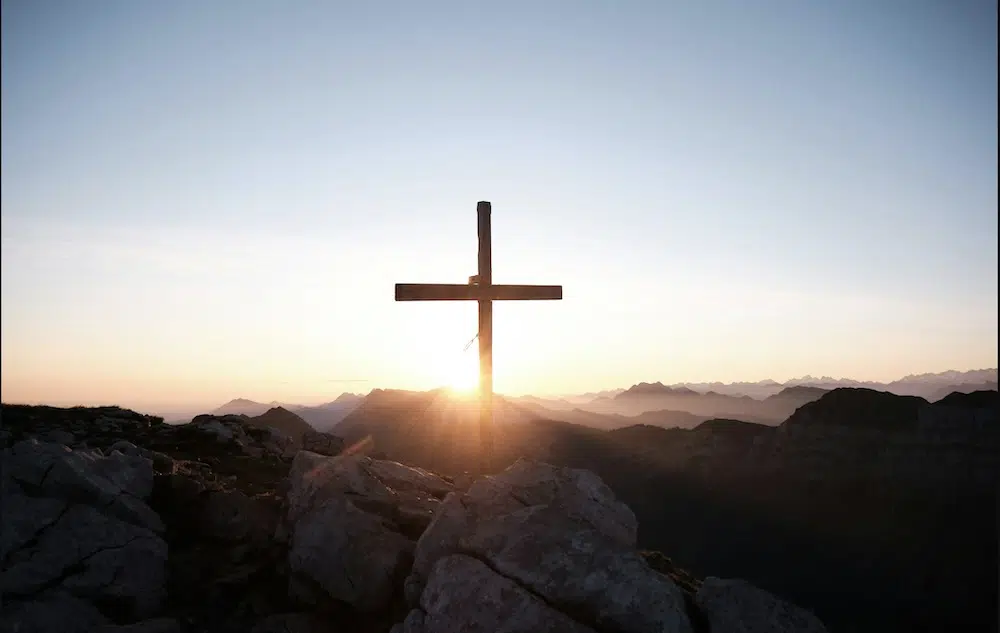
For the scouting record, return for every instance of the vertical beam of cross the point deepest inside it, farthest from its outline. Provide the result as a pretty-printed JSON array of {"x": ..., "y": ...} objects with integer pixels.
[
  {"x": 481, "y": 289},
  {"x": 485, "y": 337}
]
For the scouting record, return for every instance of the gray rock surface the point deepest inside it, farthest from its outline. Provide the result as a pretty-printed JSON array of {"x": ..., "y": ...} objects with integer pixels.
[
  {"x": 351, "y": 523},
  {"x": 155, "y": 625},
  {"x": 51, "y": 612},
  {"x": 579, "y": 570},
  {"x": 292, "y": 623},
  {"x": 736, "y": 606},
  {"x": 577, "y": 493},
  {"x": 77, "y": 533},
  {"x": 535, "y": 544},
  {"x": 322, "y": 443},
  {"x": 463, "y": 594},
  {"x": 353, "y": 555}
]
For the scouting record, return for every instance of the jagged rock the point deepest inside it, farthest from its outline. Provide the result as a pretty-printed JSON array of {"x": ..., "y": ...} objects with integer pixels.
[
  {"x": 353, "y": 555},
  {"x": 578, "y": 569},
  {"x": 578, "y": 493},
  {"x": 348, "y": 525},
  {"x": 54, "y": 612},
  {"x": 92, "y": 556},
  {"x": 463, "y": 594},
  {"x": 116, "y": 483},
  {"x": 225, "y": 428},
  {"x": 232, "y": 516},
  {"x": 408, "y": 478},
  {"x": 77, "y": 528},
  {"x": 552, "y": 533},
  {"x": 322, "y": 443},
  {"x": 736, "y": 606},
  {"x": 278, "y": 443}
]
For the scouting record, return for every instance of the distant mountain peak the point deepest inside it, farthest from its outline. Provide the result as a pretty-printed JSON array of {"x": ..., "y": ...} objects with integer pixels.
[
  {"x": 242, "y": 401},
  {"x": 655, "y": 389}
]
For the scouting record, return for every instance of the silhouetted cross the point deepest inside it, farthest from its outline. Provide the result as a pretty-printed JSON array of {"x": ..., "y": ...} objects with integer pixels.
[{"x": 480, "y": 288}]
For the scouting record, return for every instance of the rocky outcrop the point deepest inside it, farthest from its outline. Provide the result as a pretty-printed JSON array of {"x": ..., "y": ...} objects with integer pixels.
[
  {"x": 176, "y": 529},
  {"x": 561, "y": 538},
  {"x": 351, "y": 526},
  {"x": 322, "y": 443},
  {"x": 80, "y": 546},
  {"x": 284, "y": 421},
  {"x": 252, "y": 440},
  {"x": 736, "y": 606}
]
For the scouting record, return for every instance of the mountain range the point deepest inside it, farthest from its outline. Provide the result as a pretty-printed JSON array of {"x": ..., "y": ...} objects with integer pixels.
[
  {"x": 321, "y": 417},
  {"x": 683, "y": 405}
]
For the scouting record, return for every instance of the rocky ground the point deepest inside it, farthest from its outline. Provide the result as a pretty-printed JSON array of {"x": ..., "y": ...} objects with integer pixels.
[{"x": 115, "y": 521}]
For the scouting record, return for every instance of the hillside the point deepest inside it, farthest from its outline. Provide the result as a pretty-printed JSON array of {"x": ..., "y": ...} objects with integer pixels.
[
  {"x": 882, "y": 492},
  {"x": 283, "y": 420},
  {"x": 322, "y": 417}
]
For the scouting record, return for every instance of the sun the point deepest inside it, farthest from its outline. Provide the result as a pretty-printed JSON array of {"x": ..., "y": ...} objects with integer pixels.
[
  {"x": 463, "y": 380},
  {"x": 461, "y": 374}
]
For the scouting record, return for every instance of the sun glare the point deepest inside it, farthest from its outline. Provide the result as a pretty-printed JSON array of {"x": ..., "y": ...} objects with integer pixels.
[
  {"x": 461, "y": 375},
  {"x": 464, "y": 381}
]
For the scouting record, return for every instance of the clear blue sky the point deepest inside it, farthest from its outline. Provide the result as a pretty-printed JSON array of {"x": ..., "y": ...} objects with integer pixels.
[{"x": 204, "y": 200}]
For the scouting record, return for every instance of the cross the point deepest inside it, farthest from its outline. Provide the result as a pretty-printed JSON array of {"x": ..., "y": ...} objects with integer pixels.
[{"x": 482, "y": 289}]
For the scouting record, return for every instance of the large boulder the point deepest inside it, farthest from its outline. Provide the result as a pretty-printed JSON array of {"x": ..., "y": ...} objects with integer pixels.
[
  {"x": 576, "y": 493},
  {"x": 79, "y": 542},
  {"x": 547, "y": 548},
  {"x": 736, "y": 606},
  {"x": 351, "y": 522},
  {"x": 464, "y": 594},
  {"x": 322, "y": 443}
]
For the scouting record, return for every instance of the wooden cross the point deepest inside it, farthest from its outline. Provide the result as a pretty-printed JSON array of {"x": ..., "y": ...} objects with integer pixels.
[{"x": 480, "y": 288}]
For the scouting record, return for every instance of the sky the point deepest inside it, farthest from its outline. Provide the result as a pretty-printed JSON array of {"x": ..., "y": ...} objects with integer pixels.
[{"x": 203, "y": 201}]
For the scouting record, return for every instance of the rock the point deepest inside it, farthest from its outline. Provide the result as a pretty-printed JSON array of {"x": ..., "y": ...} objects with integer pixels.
[
  {"x": 367, "y": 483},
  {"x": 232, "y": 516},
  {"x": 55, "y": 612},
  {"x": 557, "y": 536},
  {"x": 92, "y": 556},
  {"x": 253, "y": 451},
  {"x": 576, "y": 568},
  {"x": 292, "y": 623},
  {"x": 353, "y": 555},
  {"x": 156, "y": 625},
  {"x": 577, "y": 493},
  {"x": 276, "y": 441},
  {"x": 322, "y": 443},
  {"x": 350, "y": 522},
  {"x": 116, "y": 483},
  {"x": 222, "y": 431},
  {"x": 736, "y": 606},
  {"x": 80, "y": 531},
  {"x": 128, "y": 448},
  {"x": 59, "y": 436},
  {"x": 414, "y": 623},
  {"x": 401, "y": 477},
  {"x": 463, "y": 594}
]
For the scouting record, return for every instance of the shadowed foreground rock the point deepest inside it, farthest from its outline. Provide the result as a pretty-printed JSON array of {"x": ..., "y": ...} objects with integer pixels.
[
  {"x": 139, "y": 527},
  {"x": 80, "y": 547}
]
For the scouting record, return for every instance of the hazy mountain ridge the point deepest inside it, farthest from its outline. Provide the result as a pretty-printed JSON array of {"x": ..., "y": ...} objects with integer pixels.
[
  {"x": 321, "y": 417},
  {"x": 682, "y": 405},
  {"x": 927, "y": 385}
]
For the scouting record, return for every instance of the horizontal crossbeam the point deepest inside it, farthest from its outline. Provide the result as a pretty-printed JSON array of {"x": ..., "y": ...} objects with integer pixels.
[{"x": 473, "y": 292}]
